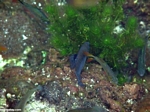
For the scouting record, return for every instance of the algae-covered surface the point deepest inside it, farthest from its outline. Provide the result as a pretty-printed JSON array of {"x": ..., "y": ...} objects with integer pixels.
[{"x": 35, "y": 77}]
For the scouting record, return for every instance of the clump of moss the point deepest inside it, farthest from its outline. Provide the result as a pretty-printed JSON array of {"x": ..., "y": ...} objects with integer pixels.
[
  {"x": 122, "y": 79},
  {"x": 71, "y": 27}
]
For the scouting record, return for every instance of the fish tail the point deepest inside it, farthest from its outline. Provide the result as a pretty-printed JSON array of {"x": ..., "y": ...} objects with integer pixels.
[
  {"x": 90, "y": 59},
  {"x": 88, "y": 54}
]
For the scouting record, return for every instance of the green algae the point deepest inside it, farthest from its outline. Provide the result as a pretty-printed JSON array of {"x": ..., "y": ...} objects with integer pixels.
[{"x": 71, "y": 27}]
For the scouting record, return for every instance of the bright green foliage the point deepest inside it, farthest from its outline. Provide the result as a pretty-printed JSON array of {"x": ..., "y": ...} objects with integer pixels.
[
  {"x": 71, "y": 27},
  {"x": 122, "y": 79}
]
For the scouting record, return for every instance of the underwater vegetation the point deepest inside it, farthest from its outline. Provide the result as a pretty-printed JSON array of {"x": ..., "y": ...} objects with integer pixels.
[{"x": 111, "y": 34}]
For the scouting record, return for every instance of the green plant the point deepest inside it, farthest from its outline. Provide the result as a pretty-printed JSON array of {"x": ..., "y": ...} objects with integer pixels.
[
  {"x": 122, "y": 79},
  {"x": 71, "y": 27}
]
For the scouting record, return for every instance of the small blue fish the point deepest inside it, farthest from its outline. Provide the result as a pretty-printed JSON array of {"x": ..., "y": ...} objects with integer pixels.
[
  {"x": 142, "y": 59},
  {"x": 77, "y": 61},
  {"x": 35, "y": 12},
  {"x": 141, "y": 62}
]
